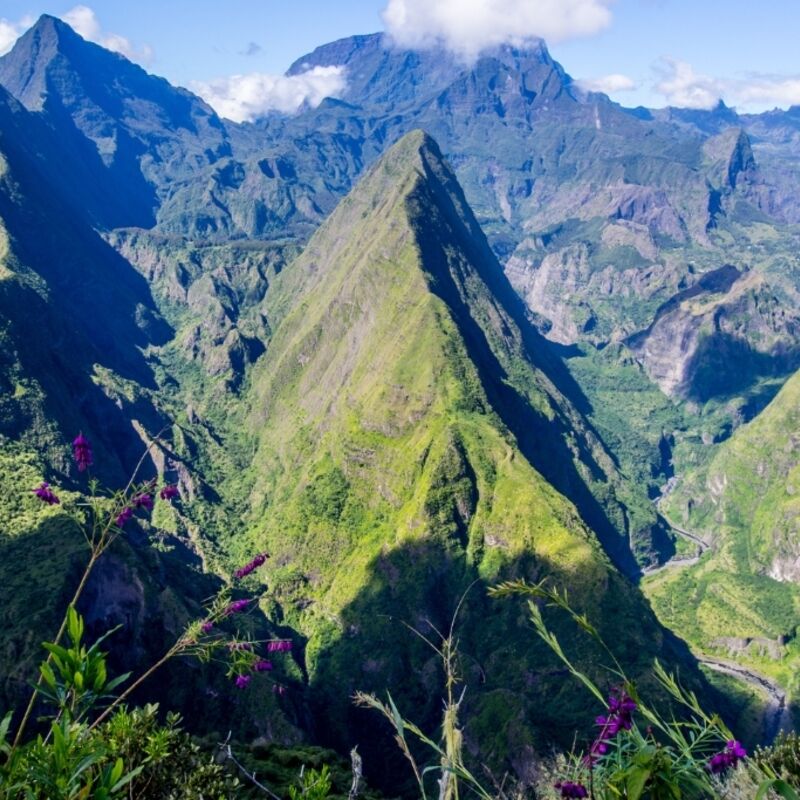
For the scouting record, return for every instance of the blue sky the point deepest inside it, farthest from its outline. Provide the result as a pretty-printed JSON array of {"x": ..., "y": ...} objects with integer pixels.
[{"x": 685, "y": 52}]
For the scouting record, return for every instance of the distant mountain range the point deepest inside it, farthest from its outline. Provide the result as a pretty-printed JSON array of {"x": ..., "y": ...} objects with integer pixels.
[{"x": 461, "y": 323}]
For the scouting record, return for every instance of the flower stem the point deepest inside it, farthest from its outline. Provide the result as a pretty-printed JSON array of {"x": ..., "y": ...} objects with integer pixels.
[
  {"x": 173, "y": 651},
  {"x": 75, "y": 597}
]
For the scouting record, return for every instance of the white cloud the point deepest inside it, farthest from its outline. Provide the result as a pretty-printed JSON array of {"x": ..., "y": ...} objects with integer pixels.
[
  {"x": 243, "y": 98},
  {"x": 608, "y": 84},
  {"x": 11, "y": 31},
  {"x": 83, "y": 21},
  {"x": 469, "y": 26},
  {"x": 767, "y": 91},
  {"x": 683, "y": 87}
]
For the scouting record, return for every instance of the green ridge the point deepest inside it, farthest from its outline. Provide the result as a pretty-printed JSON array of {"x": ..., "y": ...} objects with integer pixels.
[{"x": 386, "y": 480}]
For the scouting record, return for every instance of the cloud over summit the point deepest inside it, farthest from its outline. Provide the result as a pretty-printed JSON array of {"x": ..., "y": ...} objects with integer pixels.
[
  {"x": 83, "y": 21},
  {"x": 243, "y": 98},
  {"x": 10, "y": 31},
  {"x": 608, "y": 84},
  {"x": 469, "y": 26}
]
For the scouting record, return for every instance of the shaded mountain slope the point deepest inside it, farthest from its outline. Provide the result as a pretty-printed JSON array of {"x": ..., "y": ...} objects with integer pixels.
[
  {"x": 74, "y": 312},
  {"x": 129, "y": 130}
]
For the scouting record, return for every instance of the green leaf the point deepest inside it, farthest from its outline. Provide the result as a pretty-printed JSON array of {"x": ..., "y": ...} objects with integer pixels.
[
  {"x": 636, "y": 781},
  {"x": 47, "y": 674},
  {"x": 117, "y": 770},
  {"x": 60, "y": 655},
  {"x": 5, "y": 724},
  {"x": 111, "y": 685},
  {"x": 126, "y": 779},
  {"x": 74, "y": 625},
  {"x": 780, "y": 787},
  {"x": 100, "y": 678},
  {"x": 398, "y": 719}
]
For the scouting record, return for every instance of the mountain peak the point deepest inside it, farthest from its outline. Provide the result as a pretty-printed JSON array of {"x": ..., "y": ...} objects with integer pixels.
[
  {"x": 380, "y": 72},
  {"x": 48, "y": 28},
  {"x": 52, "y": 48}
]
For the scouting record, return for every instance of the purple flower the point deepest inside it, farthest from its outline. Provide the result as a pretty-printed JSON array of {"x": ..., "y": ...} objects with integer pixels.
[
  {"x": 82, "y": 452},
  {"x": 619, "y": 717},
  {"x": 207, "y": 627},
  {"x": 236, "y": 606},
  {"x": 169, "y": 493},
  {"x": 282, "y": 646},
  {"x": 251, "y": 566},
  {"x": 46, "y": 494},
  {"x": 124, "y": 516},
  {"x": 736, "y": 749},
  {"x": 262, "y": 666},
  {"x": 242, "y": 681},
  {"x": 570, "y": 789},
  {"x": 729, "y": 757},
  {"x": 143, "y": 500}
]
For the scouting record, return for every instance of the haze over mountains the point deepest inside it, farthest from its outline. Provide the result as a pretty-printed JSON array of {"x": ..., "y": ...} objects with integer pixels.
[{"x": 461, "y": 323}]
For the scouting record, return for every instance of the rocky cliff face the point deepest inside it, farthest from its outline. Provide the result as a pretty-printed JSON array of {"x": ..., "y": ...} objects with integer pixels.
[{"x": 719, "y": 336}]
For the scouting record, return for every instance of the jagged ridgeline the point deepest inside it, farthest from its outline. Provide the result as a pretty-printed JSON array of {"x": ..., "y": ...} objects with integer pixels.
[{"x": 404, "y": 431}]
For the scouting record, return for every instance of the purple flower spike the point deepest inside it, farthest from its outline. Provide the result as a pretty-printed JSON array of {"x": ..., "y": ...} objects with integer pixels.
[
  {"x": 82, "y": 452},
  {"x": 237, "y": 606},
  {"x": 143, "y": 501},
  {"x": 207, "y": 627},
  {"x": 242, "y": 681},
  {"x": 252, "y": 566},
  {"x": 569, "y": 789},
  {"x": 124, "y": 516},
  {"x": 239, "y": 646},
  {"x": 282, "y": 646},
  {"x": 169, "y": 493},
  {"x": 618, "y": 718},
  {"x": 46, "y": 494},
  {"x": 262, "y": 666}
]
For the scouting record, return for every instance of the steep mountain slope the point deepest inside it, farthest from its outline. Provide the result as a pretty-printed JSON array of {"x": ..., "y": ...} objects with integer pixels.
[
  {"x": 82, "y": 347},
  {"x": 126, "y": 128},
  {"x": 746, "y": 491},
  {"x": 624, "y": 210},
  {"x": 530, "y": 147},
  {"x": 55, "y": 346},
  {"x": 438, "y": 433},
  {"x": 743, "y": 597},
  {"x": 404, "y": 433}
]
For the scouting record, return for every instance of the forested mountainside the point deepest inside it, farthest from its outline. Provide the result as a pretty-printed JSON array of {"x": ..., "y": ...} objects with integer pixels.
[{"x": 461, "y": 324}]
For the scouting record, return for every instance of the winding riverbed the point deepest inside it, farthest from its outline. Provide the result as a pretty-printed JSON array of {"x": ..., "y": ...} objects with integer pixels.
[{"x": 777, "y": 714}]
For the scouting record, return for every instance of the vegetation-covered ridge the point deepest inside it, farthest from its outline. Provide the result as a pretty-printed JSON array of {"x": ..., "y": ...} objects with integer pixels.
[
  {"x": 741, "y": 600},
  {"x": 403, "y": 431}
]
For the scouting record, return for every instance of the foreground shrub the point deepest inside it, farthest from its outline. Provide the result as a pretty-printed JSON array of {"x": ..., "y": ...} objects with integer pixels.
[
  {"x": 781, "y": 759},
  {"x": 172, "y": 765}
]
